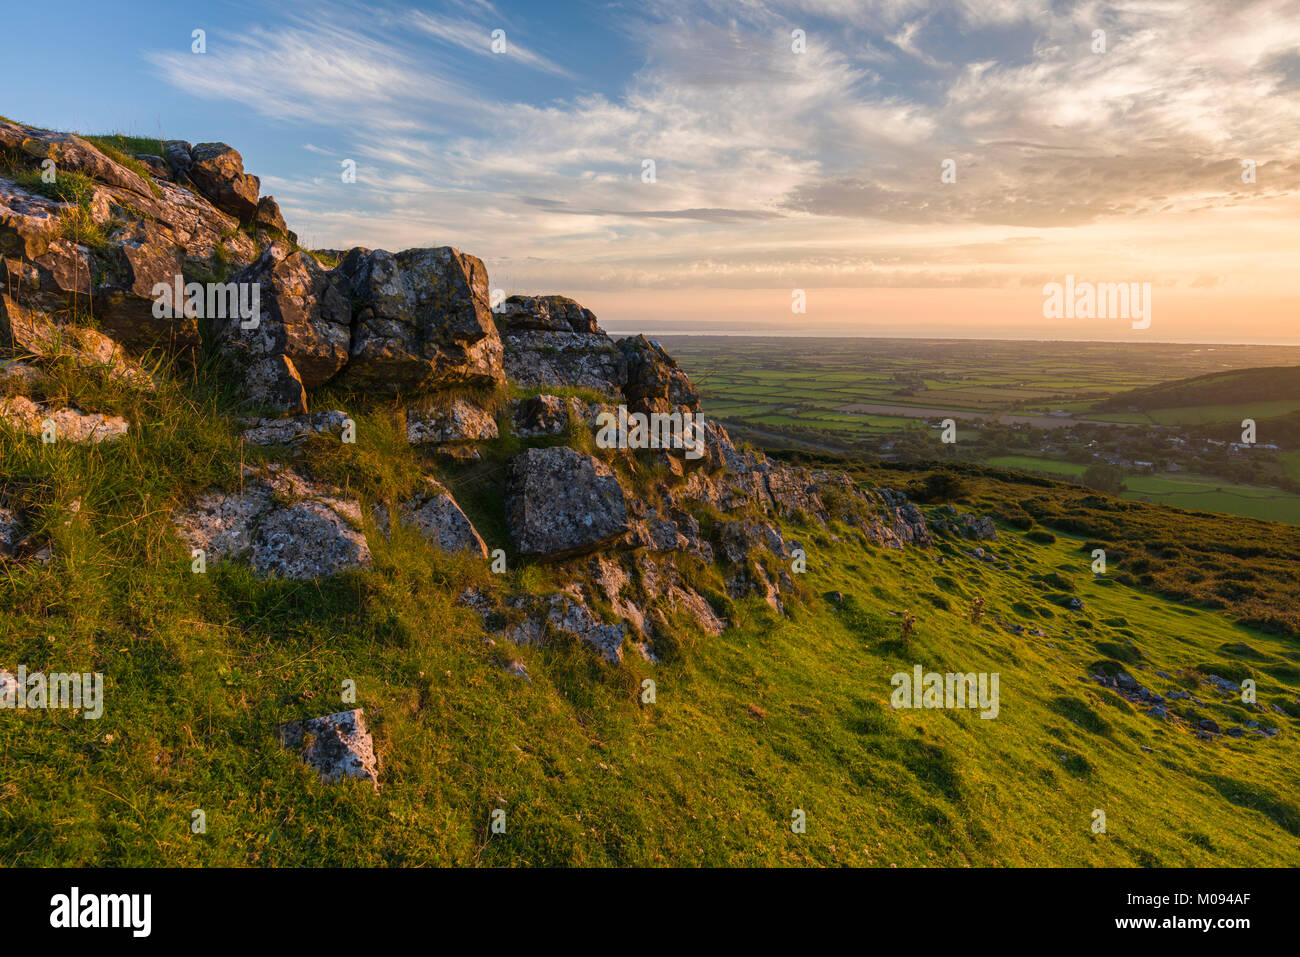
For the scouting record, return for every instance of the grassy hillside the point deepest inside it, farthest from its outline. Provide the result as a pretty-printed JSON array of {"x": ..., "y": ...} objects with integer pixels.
[
  {"x": 1215, "y": 389},
  {"x": 774, "y": 715}
]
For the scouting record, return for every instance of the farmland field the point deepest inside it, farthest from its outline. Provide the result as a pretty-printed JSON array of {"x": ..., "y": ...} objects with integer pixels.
[
  {"x": 1198, "y": 492},
  {"x": 1214, "y": 495},
  {"x": 803, "y": 379},
  {"x": 882, "y": 395}
]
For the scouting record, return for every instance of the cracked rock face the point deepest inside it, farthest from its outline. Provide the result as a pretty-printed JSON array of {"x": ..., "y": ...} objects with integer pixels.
[
  {"x": 420, "y": 320},
  {"x": 336, "y": 746},
  {"x": 303, "y": 330},
  {"x": 315, "y": 535},
  {"x": 69, "y": 424},
  {"x": 563, "y": 502}
]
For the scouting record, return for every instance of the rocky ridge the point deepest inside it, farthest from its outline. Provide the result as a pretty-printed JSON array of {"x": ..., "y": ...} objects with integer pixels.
[{"x": 629, "y": 531}]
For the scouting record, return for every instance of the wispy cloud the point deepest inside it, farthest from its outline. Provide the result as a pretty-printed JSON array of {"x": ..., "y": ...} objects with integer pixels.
[
  {"x": 776, "y": 167},
  {"x": 477, "y": 37}
]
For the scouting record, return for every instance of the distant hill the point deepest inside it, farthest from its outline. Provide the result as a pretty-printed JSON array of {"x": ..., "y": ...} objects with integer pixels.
[{"x": 1216, "y": 388}]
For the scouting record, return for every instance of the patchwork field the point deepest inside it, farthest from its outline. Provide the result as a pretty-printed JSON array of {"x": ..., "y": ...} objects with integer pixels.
[{"x": 858, "y": 396}]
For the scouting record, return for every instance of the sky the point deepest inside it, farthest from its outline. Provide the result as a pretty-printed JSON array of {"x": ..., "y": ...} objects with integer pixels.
[{"x": 799, "y": 148}]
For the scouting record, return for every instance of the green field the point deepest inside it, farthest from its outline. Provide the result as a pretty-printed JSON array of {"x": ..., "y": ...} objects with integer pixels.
[
  {"x": 793, "y": 393},
  {"x": 1215, "y": 495},
  {"x": 797, "y": 385},
  {"x": 1204, "y": 493}
]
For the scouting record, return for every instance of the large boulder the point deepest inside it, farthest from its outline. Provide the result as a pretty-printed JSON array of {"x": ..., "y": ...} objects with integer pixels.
[
  {"x": 420, "y": 320},
  {"x": 547, "y": 314},
  {"x": 304, "y": 316},
  {"x": 562, "y": 502},
  {"x": 652, "y": 380},
  {"x": 218, "y": 171}
]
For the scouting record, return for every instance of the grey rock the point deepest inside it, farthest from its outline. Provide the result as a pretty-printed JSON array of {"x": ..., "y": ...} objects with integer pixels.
[
  {"x": 281, "y": 523},
  {"x": 1223, "y": 684},
  {"x": 295, "y": 429},
  {"x": 562, "y": 502},
  {"x": 541, "y": 360},
  {"x": 274, "y": 382},
  {"x": 310, "y": 539},
  {"x": 458, "y": 421},
  {"x": 420, "y": 320},
  {"x": 436, "y": 515},
  {"x": 337, "y": 746}
]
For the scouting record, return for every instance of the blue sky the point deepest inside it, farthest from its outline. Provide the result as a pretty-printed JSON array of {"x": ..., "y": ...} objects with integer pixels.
[{"x": 775, "y": 169}]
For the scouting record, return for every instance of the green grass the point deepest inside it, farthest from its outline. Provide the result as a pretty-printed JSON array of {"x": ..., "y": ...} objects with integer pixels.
[
  {"x": 1291, "y": 462},
  {"x": 774, "y": 715},
  {"x": 1032, "y": 463}
]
